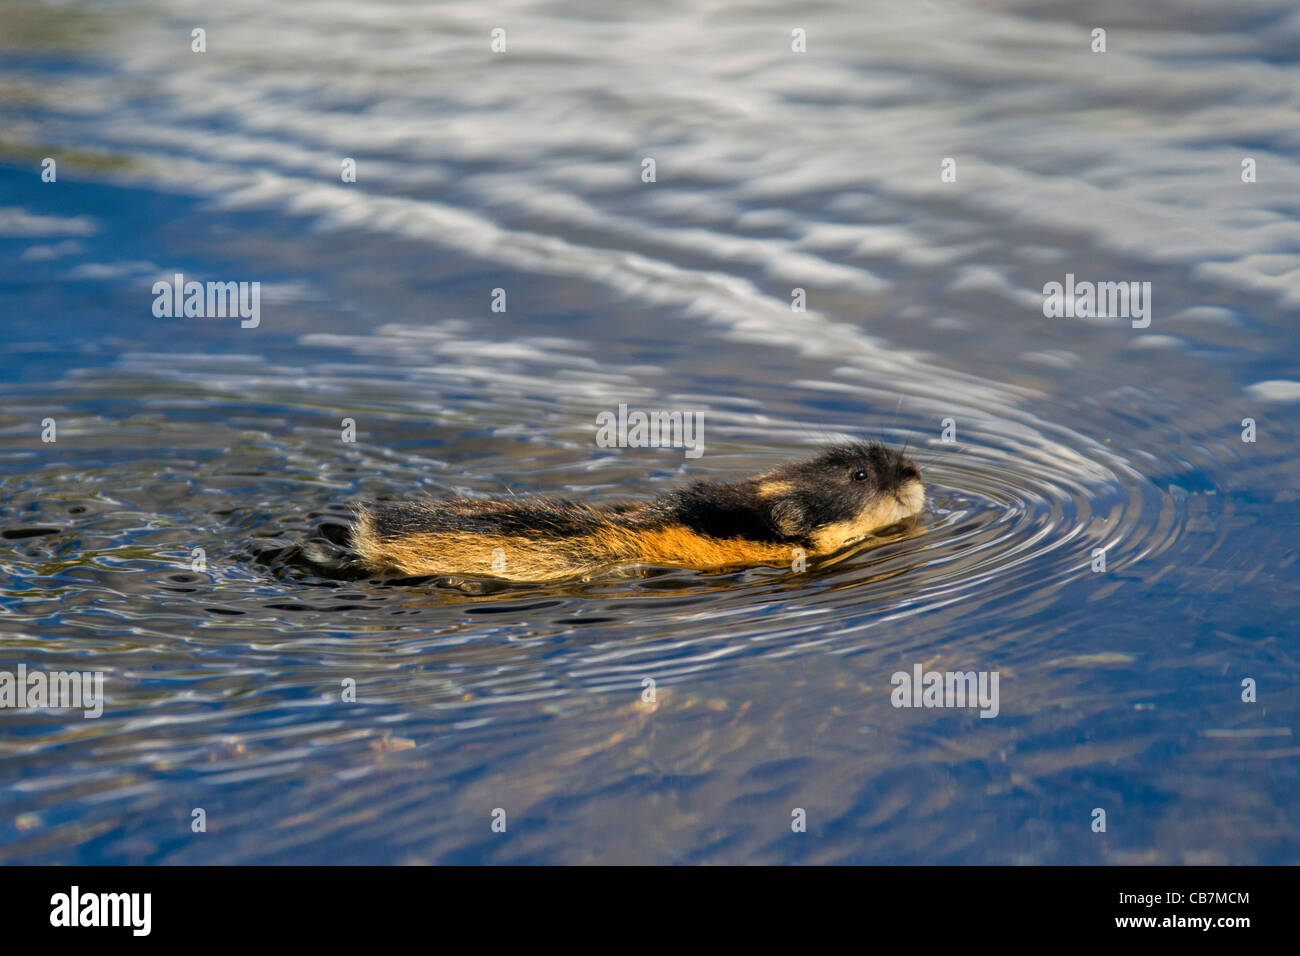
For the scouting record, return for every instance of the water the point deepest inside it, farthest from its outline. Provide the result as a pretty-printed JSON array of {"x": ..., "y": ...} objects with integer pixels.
[{"x": 1120, "y": 690}]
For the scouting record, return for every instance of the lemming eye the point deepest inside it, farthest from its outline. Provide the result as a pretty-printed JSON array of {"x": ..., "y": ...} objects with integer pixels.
[{"x": 859, "y": 475}]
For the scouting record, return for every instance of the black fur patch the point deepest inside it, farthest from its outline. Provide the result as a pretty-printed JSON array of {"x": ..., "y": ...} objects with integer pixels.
[
  {"x": 525, "y": 518},
  {"x": 721, "y": 510}
]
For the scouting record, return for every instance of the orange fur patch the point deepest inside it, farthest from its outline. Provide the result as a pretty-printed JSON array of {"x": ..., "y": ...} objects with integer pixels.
[
  {"x": 678, "y": 546},
  {"x": 541, "y": 560}
]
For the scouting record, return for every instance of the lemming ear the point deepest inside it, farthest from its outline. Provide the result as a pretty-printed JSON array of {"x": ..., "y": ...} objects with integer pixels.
[{"x": 787, "y": 517}]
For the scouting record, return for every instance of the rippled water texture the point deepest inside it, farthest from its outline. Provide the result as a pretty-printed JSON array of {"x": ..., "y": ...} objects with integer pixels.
[{"x": 1119, "y": 689}]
